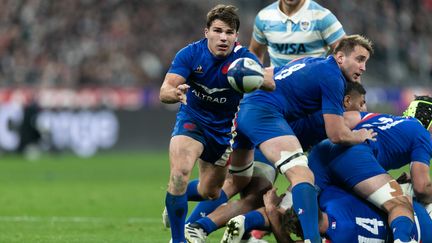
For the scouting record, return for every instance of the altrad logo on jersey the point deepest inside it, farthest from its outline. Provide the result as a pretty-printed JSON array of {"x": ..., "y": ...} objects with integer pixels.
[
  {"x": 219, "y": 100},
  {"x": 210, "y": 91}
]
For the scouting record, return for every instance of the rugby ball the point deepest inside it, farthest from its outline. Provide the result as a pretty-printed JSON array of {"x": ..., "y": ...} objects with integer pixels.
[{"x": 245, "y": 75}]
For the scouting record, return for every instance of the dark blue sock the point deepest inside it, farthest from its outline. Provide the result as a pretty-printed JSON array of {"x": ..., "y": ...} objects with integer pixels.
[
  {"x": 192, "y": 191},
  {"x": 207, "y": 225},
  {"x": 254, "y": 220},
  {"x": 204, "y": 208},
  {"x": 305, "y": 204},
  {"x": 177, "y": 209},
  {"x": 402, "y": 228}
]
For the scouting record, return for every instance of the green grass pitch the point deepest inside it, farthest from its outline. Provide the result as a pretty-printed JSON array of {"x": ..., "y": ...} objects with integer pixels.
[{"x": 112, "y": 197}]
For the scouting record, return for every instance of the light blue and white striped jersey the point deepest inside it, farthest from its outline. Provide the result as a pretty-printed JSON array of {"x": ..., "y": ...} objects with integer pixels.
[{"x": 308, "y": 32}]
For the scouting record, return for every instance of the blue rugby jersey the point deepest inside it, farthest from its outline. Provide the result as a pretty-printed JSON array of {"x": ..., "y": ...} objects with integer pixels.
[
  {"x": 308, "y": 32},
  {"x": 400, "y": 140},
  {"x": 304, "y": 87},
  {"x": 210, "y": 99},
  {"x": 352, "y": 219},
  {"x": 309, "y": 130}
]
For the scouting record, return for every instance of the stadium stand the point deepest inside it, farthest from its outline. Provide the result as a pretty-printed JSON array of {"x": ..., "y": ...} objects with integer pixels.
[{"x": 47, "y": 43}]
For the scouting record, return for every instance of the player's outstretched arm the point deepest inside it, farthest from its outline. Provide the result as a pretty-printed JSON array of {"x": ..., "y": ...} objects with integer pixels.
[
  {"x": 421, "y": 182},
  {"x": 258, "y": 49},
  {"x": 173, "y": 89},
  {"x": 351, "y": 118},
  {"x": 269, "y": 83},
  {"x": 338, "y": 132}
]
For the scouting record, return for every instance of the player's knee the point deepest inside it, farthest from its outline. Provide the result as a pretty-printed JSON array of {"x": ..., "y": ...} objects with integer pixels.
[
  {"x": 289, "y": 159},
  {"x": 422, "y": 192},
  {"x": 299, "y": 174},
  {"x": 244, "y": 170},
  {"x": 179, "y": 180},
  {"x": 389, "y": 196},
  {"x": 177, "y": 184},
  {"x": 181, "y": 173},
  {"x": 211, "y": 193},
  {"x": 398, "y": 204}
]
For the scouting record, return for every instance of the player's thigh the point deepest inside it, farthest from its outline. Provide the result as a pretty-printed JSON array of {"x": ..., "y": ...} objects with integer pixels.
[
  {"x": 187, "y": 141},
  {"x": 211, "y": 178},
  {"x": 213, "y": 163},
  {"x": 273, "y": 148},
  {"x": 183, "y": 152},
  {"x": 368, "y": 186},
  {"x": 241, "y": 157},
  {"x": 260, "y": 124},
  {"x": 355, "y": 165}
]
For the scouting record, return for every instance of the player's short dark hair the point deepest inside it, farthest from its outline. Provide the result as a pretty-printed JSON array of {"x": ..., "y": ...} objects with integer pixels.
[
  {"x": 348, "y": 43},
  {"x": 291, "y": 222},
  {"x": 354, "y": 87},
  {"x": 225, "y": 13},
  {"x": 421, "y": 108}
]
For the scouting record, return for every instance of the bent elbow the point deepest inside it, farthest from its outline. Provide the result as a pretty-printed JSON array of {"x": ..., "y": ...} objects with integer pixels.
[
  {"x": 423, "y": 197},
  {"x": 423, "y": 193},
  {"x": 336, "y": 139},
  {"x": 273, "y": 86},
  {"x": 268, "y": 86},
  {"x": 164, "y": 98}
]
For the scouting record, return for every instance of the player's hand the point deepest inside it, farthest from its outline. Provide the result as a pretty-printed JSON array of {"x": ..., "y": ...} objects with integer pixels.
[
  {"x": 365, "y": 134},
  {"x": 271, "y": 199},
  {"x": 181, "y": 91}
]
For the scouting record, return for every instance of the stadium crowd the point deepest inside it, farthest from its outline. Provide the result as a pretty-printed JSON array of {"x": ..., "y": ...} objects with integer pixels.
[{"x": 48, "y": 43}]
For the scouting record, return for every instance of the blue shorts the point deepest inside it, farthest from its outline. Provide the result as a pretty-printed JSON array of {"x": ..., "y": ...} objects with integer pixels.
[
  {"x": 425, "y": 221},
  {"x": 342, "y": 165},
  {"x": 309, "y": 130},
  {"x": 256, "y": 125},
  {"x": 217, "y": 146}
]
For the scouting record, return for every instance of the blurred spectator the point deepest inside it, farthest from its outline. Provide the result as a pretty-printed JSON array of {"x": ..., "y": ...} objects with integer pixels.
[{"x": 46, "y": 43}]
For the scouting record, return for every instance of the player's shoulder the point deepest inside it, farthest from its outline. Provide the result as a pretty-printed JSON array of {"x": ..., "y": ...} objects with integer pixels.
[
  {"x": 196, "y": 45},
  {"x": 324, "y": 65},
  {"x": 270, "y": 7},
  {"x": 415, "y": 124},
  {"x": 269, "y": 12},
  {"x": 319, "y": 13},
  {"x": 312, "y": 64},
  {"x": 194, "y": 51},
  {"x": 242, "y": 51},
  {"x": 239, "y": 49},
  {"x": 317, "y": 7}
]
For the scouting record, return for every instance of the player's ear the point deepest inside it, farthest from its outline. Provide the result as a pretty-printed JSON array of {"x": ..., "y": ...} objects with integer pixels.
[
  {"x": 206, "y": 32},
  {"x": 347, "y": 101},
  {"x": 340, "y": 57}
]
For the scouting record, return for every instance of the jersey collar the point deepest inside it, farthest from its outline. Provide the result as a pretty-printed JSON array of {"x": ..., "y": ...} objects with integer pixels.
[{"x": 297, "y": 16}]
